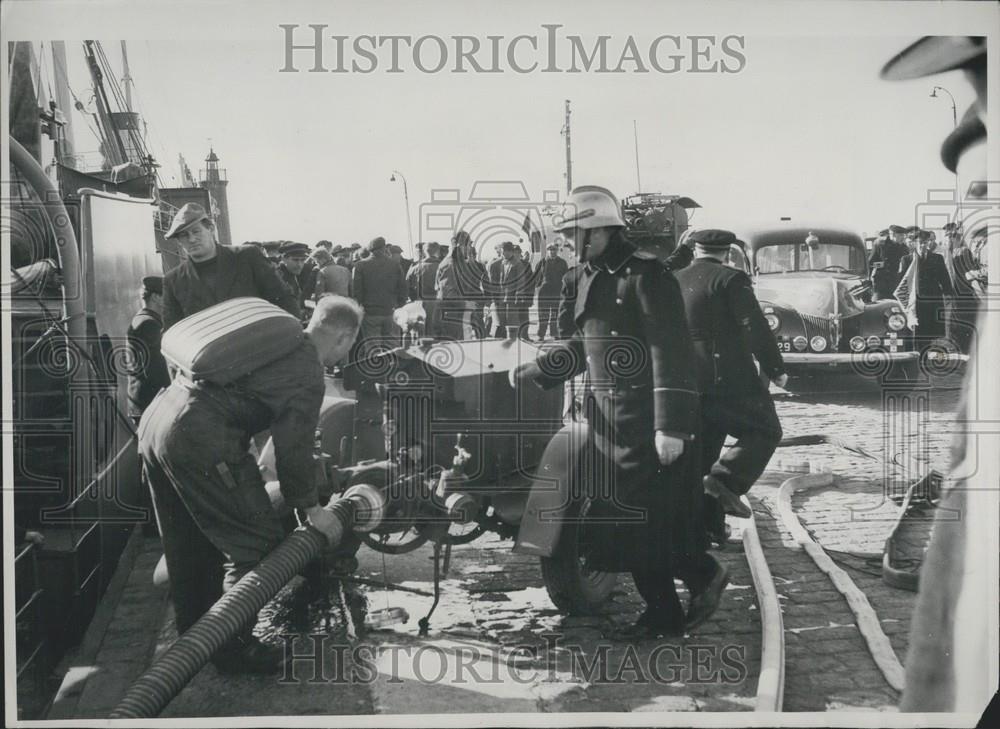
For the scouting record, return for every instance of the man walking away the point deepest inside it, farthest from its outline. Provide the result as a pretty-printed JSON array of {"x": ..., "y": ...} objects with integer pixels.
[
  {"x": 380, "y": 289},
  {"x": 729, "y": 330},
  {"x": 548, "y": 283}
]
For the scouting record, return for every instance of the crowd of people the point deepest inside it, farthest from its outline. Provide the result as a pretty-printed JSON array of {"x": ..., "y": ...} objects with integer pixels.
[{"x": 939, "y": 285}]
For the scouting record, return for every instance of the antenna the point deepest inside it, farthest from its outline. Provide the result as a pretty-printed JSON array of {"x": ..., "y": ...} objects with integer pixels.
[
  {"x": 635, "y": 135},
  {"x": 569, "y": 156}
]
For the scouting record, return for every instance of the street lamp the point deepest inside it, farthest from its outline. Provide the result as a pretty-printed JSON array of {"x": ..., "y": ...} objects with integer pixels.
[
  {"x": 406, "y": 199},
  {"x": 954, "y": 121}
]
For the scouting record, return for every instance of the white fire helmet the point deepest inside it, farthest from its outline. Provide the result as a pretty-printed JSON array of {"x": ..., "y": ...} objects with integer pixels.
[{"x": 590, "y": 206}]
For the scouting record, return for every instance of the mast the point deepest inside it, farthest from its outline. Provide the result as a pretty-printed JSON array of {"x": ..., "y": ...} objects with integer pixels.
[
  {"x": 67, "y": 153},
  {"x": 113, "y": 145},
  {"x": 635, "y": 135},
  {"x": 569, "y": 155},
  {"x": 126, "y": 79}
]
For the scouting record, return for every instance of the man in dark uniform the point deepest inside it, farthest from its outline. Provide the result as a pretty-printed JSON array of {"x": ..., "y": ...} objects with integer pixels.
[
  {"x": 147, "y": 370},
  {"x": 933, "y": 290},
  {"x": 883, "y": 264},
  {"x": 214, "y": 273},
  {"x": 729, "y": 330},
  {"x": 632, "y": 340},
  {"x": 548, "y": 282},
  {"x": 292, "y": 272},
  {"x": 210, "y": 501},
  {"x": 964, "y": 306}
]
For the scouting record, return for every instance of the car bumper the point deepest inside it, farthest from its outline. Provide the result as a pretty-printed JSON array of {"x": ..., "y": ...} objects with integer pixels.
[{"x": 845, "y": 359}]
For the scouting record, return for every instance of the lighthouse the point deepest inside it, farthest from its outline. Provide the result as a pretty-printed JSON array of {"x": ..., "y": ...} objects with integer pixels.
[{"x": 213, "y": 179}]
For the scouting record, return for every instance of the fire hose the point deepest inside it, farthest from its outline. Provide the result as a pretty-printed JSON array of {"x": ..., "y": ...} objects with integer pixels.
[{"x": 362, "y": 508}]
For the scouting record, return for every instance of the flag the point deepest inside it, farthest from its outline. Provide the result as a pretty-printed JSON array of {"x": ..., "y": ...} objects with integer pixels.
[
  {"x": 906, "y": 292},
  {"x": 534, "y": 235}
]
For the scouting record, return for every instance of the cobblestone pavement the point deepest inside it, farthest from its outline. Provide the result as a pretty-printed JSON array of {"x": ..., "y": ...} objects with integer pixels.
[{"x": 497, "y": 644}]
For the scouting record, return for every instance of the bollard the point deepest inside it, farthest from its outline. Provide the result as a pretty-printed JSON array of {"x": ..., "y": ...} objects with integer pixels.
[{"x": 153, "y": 690}]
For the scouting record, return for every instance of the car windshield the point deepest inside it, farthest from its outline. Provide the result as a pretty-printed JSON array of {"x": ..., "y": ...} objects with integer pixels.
[
  {"x": 736, "y": 259},
  {"x": 789, "y": 257}
]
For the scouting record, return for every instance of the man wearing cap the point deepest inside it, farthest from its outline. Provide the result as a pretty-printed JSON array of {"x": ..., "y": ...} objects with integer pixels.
[
  {"x": 631, "y": 338},
  {"x": 147, "y": 369},
  {"x": 380, "y": 289},
  {"x": 420, "y": 283},
  {"x": 331, "y": 276},
  {"x": 729, "y": 331},
  {"x": 215, "y": 516},
  {"x": 932, "y": 289},
  {"x": 883, "y": 264},
  {"x": 292, "y": 271},
  {"x": 548, "y": 283},
  {"x": 212, "y": 273},
  {"x": 947, "y": 655},
  {"x": 459, "y": 283}
]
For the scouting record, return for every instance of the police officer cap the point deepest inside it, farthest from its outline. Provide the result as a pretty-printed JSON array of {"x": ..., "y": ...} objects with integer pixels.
[
  {"x": 884, "y": 232},
  {"x": 712, "y": 239},
  {"x": 935, "y": 54},
  {"x": 913, "y": 230},
  {"x": 897, "y": 229},
  {"x": 153, "y": 284},
  {"x": 291, "y": 248},
  {"x": 188, "y": 215},
  {"x": 376, "y": 244},
  {"x": 969, "y": 131}
]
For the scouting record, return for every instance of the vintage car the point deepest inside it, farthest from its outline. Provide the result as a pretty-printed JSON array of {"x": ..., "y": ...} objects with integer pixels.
[{"x": 812, "y": 285}]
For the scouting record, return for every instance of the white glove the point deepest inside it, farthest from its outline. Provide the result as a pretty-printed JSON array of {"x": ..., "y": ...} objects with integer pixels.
[{"x": 668, "y": 448}]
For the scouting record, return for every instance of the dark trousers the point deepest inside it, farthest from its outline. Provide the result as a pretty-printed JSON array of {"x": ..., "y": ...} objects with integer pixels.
[
  {"x": 548, "y": 315},
  {"x": 752, "y": 420},
  {"x": 215, "y": 517}
]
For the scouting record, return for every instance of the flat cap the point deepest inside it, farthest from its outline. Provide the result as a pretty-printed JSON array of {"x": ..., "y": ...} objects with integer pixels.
[
  {"x": 433, "y": 247},
  {"x": 189, "y": 214},
  {"x": 968, "y": 132},
  {"x": 394, "y": 248},
  {"x": 935, "y": 54},
  {"x": 376, "y": 244},
  {"x": 153, "y": 284},
  {"x": 322, "y": 256},
  {"x": 291, "y": 248},
  {"x": 712, "y": 239},
  {"x": 884, "y": 231},
  {"x": 355, "y": 246},
  {"x": 336, "y": 249}
]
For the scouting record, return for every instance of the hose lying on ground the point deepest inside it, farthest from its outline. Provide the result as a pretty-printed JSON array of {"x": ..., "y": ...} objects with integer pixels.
[{"x": 239, "y": 606}]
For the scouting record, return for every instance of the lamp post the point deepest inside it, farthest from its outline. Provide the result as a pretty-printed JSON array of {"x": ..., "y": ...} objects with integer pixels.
[
  {"x": 406, "y": 199},
  {"x": 954, "y": 122}
]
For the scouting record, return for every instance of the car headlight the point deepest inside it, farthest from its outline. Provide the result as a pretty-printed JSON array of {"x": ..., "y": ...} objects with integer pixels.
[
  {"x": 857, "y": 344},
  {"x": 818, "y": 343},
  {"x": 773, "y": 321},
  {"x": 896, "y": 322},
  {"x": 874, "y": 341},
  {"x": 800, "y": 343}
]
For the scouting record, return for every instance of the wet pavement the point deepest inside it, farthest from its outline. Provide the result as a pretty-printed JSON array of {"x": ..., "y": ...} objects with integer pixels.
[{"x": 497, "y": 644}]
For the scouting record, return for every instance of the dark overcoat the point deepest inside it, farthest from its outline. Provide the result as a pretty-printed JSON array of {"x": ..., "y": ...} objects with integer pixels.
[
  {"x": 631, "y": 339},
  {"x": 242, "y": 271}
]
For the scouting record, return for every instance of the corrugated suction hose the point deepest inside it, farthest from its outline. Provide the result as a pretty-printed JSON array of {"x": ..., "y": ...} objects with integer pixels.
[{"x": 239, "y": 606}]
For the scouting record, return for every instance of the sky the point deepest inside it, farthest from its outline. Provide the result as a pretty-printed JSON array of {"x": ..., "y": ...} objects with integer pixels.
[{"x": 806, "y": 129}]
